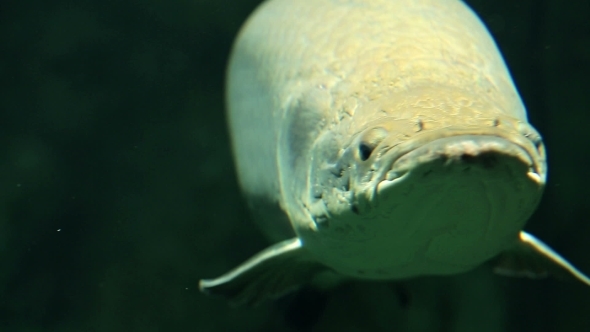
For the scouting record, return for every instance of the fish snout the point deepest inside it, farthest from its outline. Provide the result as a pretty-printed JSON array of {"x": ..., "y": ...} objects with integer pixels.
[
  {"x": 383, "y": 154},
  {"x": 379, "y": 148}
]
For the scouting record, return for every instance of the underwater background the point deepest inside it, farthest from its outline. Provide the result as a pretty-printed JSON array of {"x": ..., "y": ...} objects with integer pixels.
[{"x": 118, "y": 190}]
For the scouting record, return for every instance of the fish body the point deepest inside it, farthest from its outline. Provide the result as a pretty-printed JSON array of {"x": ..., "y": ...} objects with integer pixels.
[{"x": 380, "y": 139}]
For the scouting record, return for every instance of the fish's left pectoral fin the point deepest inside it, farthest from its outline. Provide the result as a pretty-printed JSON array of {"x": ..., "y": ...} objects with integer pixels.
[
  {"x": 532, "y": 258},
  {"x": 271, "y": 273}
]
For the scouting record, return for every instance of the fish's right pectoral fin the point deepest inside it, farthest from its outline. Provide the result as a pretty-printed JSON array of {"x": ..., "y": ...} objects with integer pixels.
[
  {"x": 532, "y": 258},
  {"x": 271, "y": 273}
]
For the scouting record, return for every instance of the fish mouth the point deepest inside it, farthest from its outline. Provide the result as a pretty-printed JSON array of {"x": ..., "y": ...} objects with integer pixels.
[{"x": 480, "y": 150}]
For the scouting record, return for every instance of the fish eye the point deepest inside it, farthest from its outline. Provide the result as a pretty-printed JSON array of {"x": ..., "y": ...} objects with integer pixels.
[
  {"x": 365, "y": 151},
  {"x": 369, "y": 141}
]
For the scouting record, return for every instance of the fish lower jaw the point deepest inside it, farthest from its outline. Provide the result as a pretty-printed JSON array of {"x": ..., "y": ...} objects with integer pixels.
[{"x": 450, "y": 208}]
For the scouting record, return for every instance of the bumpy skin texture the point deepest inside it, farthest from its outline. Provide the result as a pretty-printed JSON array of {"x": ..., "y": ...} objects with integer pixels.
[{"x": 310, "y": 79}]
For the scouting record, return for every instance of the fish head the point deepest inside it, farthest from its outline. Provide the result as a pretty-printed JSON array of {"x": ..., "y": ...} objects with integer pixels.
[{"x": 423, "y": 193}]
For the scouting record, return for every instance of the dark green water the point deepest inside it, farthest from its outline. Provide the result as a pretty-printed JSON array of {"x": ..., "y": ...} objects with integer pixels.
[{"x": 118, "y": 190}]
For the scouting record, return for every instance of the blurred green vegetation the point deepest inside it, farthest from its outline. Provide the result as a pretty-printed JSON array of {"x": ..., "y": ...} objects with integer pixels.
[{"x": 118, "y": 189}]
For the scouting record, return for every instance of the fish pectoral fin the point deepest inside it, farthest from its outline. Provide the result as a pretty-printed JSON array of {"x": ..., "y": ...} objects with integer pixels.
[
  {"x": 271, "y": 273},
  {"x": 532, "y": 258}
]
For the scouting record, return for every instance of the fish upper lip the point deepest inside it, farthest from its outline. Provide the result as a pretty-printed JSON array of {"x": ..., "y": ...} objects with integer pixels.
[{"x": 534, "y": 153}]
